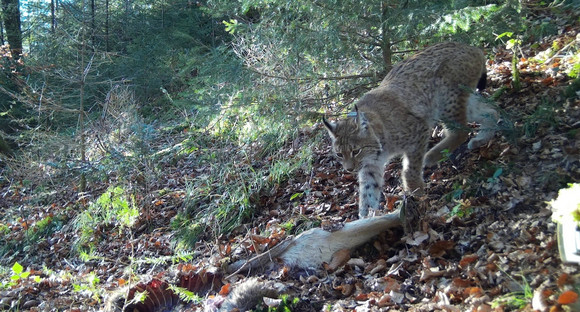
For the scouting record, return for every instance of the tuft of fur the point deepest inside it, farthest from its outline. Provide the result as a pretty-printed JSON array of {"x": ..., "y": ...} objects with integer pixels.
[
  {"x": 244, "y": 297},
  {"x": 115, "y": 300},
  {"x": 396, "y": 118}
]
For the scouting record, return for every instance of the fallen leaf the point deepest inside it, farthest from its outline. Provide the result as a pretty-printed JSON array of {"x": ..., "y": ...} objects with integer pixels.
[
  {"x": 460, "y": 282},
  {"x": 392, "y": 285},
  {"x": 361, "y": 297},
  {"x": 474, "y": 291},
  {"x": 260, "y": 239},
  {"x": 384, "y": 301},
  {"x": 439, "y": 248},
  {"x": 548, "y": 81},
  {"x": 345, "y": 289},
  {"x": 391, "y": 200},
  {"x": 468, "y": 259},
  {"x": 225, "y": 290},
  {"x": 556, "y": 308},
  {"x": 568, "y": 297},
  {"x": 417, "y": 239},
  {"x": 563, "y": 279},
  {"x": 436, "y": 175}
]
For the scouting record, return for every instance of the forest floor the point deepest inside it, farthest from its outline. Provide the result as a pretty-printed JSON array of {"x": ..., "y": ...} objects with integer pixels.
[{"x": 486, "y": 241}]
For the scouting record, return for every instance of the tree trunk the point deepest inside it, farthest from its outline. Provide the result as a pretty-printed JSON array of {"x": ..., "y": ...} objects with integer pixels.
[
  {"x": 11, "y": 10},
  {"x": 52, "y": 15},
  {"x": 106, "y": 25},
  {"x": 385, "y": 39},
  {"x": 83, "y": 74},
  {"x": 93, "y": 25},
  {"x": 1, "y": 33}
]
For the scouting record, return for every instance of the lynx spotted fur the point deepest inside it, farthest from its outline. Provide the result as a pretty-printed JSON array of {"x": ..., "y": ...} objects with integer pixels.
[{"x": 396, "y": 118}]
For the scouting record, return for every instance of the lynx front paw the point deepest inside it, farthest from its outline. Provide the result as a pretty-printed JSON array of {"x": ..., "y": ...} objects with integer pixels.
[
  {"x": 416, "y": 190},
  {"x": 414, "y": 187},
  {"x": 479, "y": 140},
  {"x": 432, "y": 158},
  {"x": 367, "y": 213},
  {"x": 362, "y": 213}
]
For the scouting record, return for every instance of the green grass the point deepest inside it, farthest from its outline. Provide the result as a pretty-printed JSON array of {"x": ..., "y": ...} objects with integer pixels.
[
  {"x": 114, "y": 208},
  {"x": 517, "y": 299},
  {"x": 240, "y": 155},
  {"x": 572, "y": 89},
  {"x": 228, "y": 191}
]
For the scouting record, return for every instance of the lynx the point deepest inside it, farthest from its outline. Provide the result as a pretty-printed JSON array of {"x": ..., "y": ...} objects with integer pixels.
[{"x": 396, "y": 118}]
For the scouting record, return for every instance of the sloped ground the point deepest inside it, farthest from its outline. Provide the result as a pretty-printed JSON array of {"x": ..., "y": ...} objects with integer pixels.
[
  {"x": 484, "y": 239},
  {"x": 486, "y": 236}
]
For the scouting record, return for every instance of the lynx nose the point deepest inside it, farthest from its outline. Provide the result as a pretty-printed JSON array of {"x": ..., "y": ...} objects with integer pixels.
[{"x": 348, "y": 166}]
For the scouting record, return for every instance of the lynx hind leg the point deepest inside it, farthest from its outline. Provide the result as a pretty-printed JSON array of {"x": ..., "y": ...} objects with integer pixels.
[
  {"x": 412, "y": 173},
  {"x": 456, "y": 130},
  {"x": 479, "y": 111}
]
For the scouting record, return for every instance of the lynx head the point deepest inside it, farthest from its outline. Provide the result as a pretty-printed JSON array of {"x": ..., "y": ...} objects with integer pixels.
[{"x": 353, "y": 140}]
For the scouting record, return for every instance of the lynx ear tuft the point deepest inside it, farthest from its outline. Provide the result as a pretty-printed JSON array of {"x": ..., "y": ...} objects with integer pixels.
[
  {"x": 330, "y": 126},
  {"x": 362, "y": 121}
]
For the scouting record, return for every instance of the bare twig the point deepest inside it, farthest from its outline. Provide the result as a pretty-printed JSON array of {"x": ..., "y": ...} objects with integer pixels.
[{"x": 347, "y": 77}]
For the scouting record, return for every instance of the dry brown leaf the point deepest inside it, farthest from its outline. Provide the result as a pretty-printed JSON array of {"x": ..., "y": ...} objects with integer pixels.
[
  {"x": 548, "y": 81},
  {"x": 283, "y": 273},
  {"x": 468, "y": 259},
  {"x": 564, "y": 279},
  {"x": 568, "y": 297},
  {"x": 258, "y": 239},
  {"x": 556, "y": 308},
  {"x": 187, "y": 267},
  {"x": 391, "y": 200},
  {"x": 378, "y": 268},
  {"x": 428, "y": 274},
  {"x": 439, "y": 248},
  {"x": 463, "y": 283},
  {"x": 345, "y": 289},
  {"x": 417, "y": 238},
  {"x": 384, "y": 301},
  {"x": 392, "y": 285},
  {"x": 225, "y": 290},
  {"x": 491, "y": 267},
  {"x": 436, "y": 176},
  {"x": 474, "y": 291},
  {"x": 361, "y": 297}
]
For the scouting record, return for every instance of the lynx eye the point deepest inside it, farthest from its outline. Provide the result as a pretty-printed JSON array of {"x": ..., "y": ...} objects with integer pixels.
[
  {"x": 356, "y": 152},
  {"x": 339, "y": 155}
]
